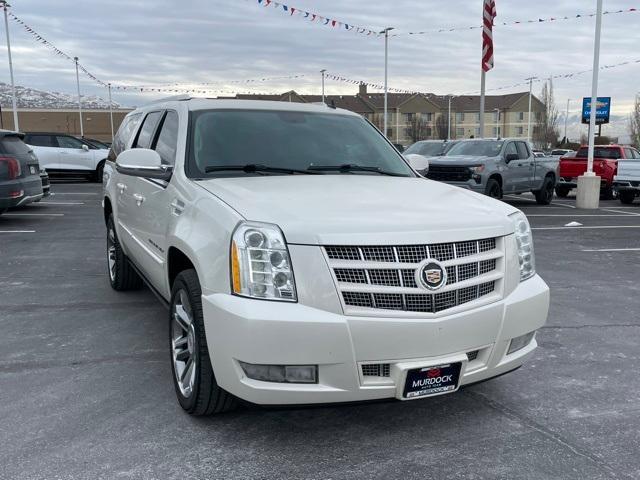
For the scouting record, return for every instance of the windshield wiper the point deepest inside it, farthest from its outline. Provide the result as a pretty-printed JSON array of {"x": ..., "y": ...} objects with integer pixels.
[
  {"x": 350, "y": 167},
  {"x": 253, "y": 168}
]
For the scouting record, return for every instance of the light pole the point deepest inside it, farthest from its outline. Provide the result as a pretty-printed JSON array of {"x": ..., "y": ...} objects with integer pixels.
[
  {"x": 531, "y": 79},
  {"x": 589, "y": 184},
  {"x": 322, "y": 73},
  {"x": 16, "y": 126},
  {"x": 566, "y": 117},
  {"x": 75, "y": 59},
  {"x": 110, "y": 111},
  {"x": 386, "y": 73},
  {"x": 449, "y": 118}
]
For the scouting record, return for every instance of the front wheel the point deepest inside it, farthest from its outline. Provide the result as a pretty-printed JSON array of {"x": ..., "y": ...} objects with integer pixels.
[
  {"x": 97, "y": 176},
  {"x": 195, "y": 384},
  {"x": 545, "y": 194},
  {"x": 562, "y": 192},
  {"x": 493, "y": 189},
  {"x": 627, "y": 197}
]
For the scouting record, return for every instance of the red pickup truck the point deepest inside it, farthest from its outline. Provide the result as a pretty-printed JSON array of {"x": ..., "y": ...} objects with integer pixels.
[{"x": 605, "y": 165}]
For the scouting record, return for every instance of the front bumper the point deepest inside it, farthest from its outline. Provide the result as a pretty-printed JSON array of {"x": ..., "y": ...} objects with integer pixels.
[{"x": 264, "y": 332}]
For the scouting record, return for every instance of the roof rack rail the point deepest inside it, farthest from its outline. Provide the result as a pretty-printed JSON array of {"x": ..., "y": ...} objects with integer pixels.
[{"x": 174, "y": 98}]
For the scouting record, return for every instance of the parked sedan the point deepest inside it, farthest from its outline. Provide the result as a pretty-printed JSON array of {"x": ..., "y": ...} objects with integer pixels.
[
  {"x": 20, "y": 181},
  {"x": 430, "y": 148}
]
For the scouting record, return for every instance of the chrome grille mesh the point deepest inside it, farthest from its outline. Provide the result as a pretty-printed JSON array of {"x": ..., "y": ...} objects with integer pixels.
[
  {"x": 376, "y": 370},
  {"x": 390, "y": 288}
]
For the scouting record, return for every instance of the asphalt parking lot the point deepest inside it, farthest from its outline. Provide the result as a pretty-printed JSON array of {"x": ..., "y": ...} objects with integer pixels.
[{"x": 86, "y": 392}]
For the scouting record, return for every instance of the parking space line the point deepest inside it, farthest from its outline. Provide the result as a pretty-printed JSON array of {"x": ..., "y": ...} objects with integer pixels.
[
  {"x": 60, "y": 203},
  {"x": 74, "y": 193},
  {"x": 614, "y": 250},
  {"x": 618, "y": 211},
  {"x": 598, "y": 227},
  {"x": 17, "y": 231},
  {"x": 33, "y": 215},
  {"x": 517, "y": 197},
  {"x": 579, "y": 215}
]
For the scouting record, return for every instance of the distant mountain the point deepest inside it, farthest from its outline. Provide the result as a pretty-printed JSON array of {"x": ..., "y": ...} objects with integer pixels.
[{"x": 32, "y": 98}]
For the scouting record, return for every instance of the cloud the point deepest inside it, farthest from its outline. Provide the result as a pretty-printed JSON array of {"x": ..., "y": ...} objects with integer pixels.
[{"x": 159, "y": 41}]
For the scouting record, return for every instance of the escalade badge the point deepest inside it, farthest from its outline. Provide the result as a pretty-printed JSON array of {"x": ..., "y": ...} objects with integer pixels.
[{"x": 431, "y": 275}]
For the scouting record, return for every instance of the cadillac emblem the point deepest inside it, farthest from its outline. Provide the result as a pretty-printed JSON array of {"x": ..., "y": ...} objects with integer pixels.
[{"x": 431, "y": 275}]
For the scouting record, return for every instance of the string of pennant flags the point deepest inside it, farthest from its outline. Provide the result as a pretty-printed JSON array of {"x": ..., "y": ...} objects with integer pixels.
[
  {"x": 205, "y": 84},
  {"x": 577, "y": 16}
]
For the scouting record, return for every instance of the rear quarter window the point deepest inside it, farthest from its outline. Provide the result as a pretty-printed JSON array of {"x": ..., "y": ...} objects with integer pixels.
[{"x": 13, "y": 145}]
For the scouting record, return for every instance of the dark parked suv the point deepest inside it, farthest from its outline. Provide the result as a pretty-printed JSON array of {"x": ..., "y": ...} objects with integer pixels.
[{"x": 20, "y": 181}]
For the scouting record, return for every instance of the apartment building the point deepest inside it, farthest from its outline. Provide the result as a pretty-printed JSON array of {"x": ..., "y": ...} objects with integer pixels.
[{"x": 412, "y": 117}]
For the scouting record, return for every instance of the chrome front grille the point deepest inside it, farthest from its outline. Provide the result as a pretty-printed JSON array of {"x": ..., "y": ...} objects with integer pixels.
[{"x": 384, "y": 277}]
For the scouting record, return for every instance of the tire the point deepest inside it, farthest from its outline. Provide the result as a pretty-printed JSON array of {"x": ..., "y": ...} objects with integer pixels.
[
  {"x": 627, "y": 197},
  {"x": 608, "y": 194},
  {"x": 2, "y": 210},
  {"x": 562, "y": 192},
  {"x": 97, "y": 176},
  {"x": 544, "y": 196},
  {"x": 493, "y": 189},
  {"x": 192, "y": 373},
  {"x": 122, "y": 276}
]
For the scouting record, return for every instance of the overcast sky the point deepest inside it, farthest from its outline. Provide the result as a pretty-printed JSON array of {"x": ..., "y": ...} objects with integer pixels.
[{"x": 152, "y": 42}]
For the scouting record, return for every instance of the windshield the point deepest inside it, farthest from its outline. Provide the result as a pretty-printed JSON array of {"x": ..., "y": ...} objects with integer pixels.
[
  {"x": 287, "y": 140},
  {"x": 600, "y": 152},
  {"x": 477, "y": 148},
  {"x": 428, "y": 149}
]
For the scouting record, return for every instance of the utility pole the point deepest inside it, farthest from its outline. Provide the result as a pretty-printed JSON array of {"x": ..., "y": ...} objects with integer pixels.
[
  {"x": 449, "y": 121},
  {"x": 322, "y": 73},
  {"x": 16, "y": 126},
  {"x": 531, "y": 79},
  {"x": 386, "y": 73},
  {"x": 589, "y": 184},
  {"x": 110, "y": 111},
  {"x": 75, "y": 59}
]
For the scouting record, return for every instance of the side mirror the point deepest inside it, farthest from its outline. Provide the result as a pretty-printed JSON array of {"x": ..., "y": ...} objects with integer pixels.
[
  {"x": 85, "y": 147},
  {"x": 419, "y": 163},
  {"x": 511, "y": 156},
  {"x": 142, "y": 162}
]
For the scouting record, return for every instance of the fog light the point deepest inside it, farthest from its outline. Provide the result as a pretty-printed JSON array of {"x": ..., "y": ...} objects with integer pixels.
[
  {"x": 281, "y": 373},
  {"x": 520, "y": 342}
]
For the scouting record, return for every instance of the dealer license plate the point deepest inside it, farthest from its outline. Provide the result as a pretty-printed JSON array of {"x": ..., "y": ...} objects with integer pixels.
[
  {"x": 422, "y": 382},
  {"x": 32, "y": 170}
]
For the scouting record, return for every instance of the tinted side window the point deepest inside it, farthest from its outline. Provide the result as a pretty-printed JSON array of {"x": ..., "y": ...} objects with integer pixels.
[
  {"x": 628, "y": 153},
  {"x": 123, "y": 135},
  {"x": 509, "y": 149},
  {"x": 41, "y": 140},
  {"x": 69, "y": 142},
  {"x": 167, "y": 142},
  {"x": 148, "y": 128},
  {"x": 523, "y": 151},
  {"x": 14, "y": 145}
]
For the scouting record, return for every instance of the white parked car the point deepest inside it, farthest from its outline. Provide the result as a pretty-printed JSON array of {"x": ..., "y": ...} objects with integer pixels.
[
  {"x": 304, "y": 261},
  {"x": 61, "y": 154}
]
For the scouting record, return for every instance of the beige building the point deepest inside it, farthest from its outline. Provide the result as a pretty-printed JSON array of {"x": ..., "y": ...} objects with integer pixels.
[
  {"x": 96, "y": 123},
  {"x": 413, "y": 117}
]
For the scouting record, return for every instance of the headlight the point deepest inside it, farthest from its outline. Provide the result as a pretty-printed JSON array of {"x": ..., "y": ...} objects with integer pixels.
[
  {"x": 477, "y": 169},
  {"x": 260, "y": 264},
  {"x": 525, "y": 245}
]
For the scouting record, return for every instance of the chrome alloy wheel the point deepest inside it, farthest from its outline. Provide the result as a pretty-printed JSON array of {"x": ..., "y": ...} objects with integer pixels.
[
  {"x": 111, "y": 254},
  {"x": 183, "y": 344}
]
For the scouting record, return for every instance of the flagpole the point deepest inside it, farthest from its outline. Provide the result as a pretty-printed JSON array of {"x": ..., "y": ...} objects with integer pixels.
[
  {"x": 79, "y": 99},
  {"x": 322, "y": 72},
  {"x": 110, "y": 111},
  {"x": 529, "y": 114},
  {"x": 386, "y": 73},
  {"x": 482, "y": 89},
  {"x": 16, "y": 126}
]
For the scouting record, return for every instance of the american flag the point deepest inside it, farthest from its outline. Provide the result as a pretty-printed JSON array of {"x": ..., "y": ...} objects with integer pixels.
[{"x": 489, "y": 13}]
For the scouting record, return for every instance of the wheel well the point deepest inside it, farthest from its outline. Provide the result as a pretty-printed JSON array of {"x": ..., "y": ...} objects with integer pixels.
[
  {"x": 497, "y": 177},
  {"x": 101, "y": 162},
  {"x": 108, "y": 210},
  {"x": 178, "y": 262},
  {"x": 551, "y": 175}
]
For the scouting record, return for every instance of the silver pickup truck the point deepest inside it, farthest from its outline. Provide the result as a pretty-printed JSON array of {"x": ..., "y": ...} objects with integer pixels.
[
  {"x": 497, "y": 167},
  {"x": 627, "y": 181}
]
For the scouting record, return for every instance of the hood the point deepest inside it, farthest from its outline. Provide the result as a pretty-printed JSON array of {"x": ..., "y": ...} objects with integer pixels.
[
  {"x": 363, "y": 209},
  {"x": 460, "y": 160}
]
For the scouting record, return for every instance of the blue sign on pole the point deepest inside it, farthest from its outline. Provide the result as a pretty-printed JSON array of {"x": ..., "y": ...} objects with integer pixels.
[{"x": 603, "y": 110}]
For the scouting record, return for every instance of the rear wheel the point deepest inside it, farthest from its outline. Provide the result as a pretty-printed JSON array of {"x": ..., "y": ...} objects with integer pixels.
[
  {"x": 97, "y": 176},
  {"x": 122, "y": 276},
  {"x": 562, "y": 192},
  {"x": 627, "y": 197},
  {"x": 493, "y": 189},
  {"x": 195, "y": 384},
  {"x": 608, "y": 193},
  {"x": 545, "y": 194}
]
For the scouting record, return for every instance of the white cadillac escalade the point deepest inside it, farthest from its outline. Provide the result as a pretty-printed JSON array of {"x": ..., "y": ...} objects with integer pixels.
[{"x": 303, "y": 260}]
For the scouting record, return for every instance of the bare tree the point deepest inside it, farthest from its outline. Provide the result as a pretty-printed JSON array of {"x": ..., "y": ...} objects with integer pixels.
[
  {"x": 546, "y": 132},
  {"x": 634, "y": 123},
  {"x": 418, "y": 129},
  {"x": 441, "y": 127}
]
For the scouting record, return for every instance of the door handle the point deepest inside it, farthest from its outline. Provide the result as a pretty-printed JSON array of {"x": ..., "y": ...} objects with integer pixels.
[
  {"x": 177, "y": 207},
  {"x": 138, "y": 198},
  {"x": 122, "y": 187}
]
